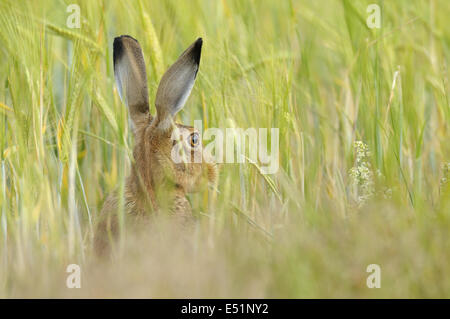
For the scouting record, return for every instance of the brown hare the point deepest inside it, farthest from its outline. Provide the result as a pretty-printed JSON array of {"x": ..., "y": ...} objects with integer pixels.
[{"x": 156, "y": 182}]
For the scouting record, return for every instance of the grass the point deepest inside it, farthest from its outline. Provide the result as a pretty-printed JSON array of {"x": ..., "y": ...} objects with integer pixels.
[{"x": 310, "y": 68}]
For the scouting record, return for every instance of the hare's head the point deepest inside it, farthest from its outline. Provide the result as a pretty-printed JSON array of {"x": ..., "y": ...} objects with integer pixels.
[{"x": 155, "y": 137}]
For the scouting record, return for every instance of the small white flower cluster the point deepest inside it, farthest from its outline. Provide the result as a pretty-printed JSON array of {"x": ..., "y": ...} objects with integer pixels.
[{"x": 361, "y": 174}]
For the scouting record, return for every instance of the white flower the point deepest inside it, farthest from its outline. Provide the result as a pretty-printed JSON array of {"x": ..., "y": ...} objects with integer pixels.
[{"x": 361, "y": 174}]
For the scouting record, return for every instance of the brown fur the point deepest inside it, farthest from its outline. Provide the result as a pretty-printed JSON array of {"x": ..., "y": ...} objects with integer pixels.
[{"x": 156, "y": 183}]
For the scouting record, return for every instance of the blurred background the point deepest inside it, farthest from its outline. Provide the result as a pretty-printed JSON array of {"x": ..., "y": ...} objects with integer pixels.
[{"x": 363, "y": 115}]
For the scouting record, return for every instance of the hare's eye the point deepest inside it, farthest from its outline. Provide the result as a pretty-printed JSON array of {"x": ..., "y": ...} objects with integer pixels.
[{"x": 194, "y": 139}]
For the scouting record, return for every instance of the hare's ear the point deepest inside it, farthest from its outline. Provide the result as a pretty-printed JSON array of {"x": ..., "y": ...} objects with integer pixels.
[
  {"x": 130, "y": 74},
  {"x": 176, "y": 84}
]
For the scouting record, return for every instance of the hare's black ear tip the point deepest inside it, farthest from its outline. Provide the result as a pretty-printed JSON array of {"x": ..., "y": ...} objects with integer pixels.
[
  {"x": 126, "y": 36},
  {"x": 118, "y": 46},
  {"x": 117, "y": 49},
  {"x": 197, "y": 50},
  {"x": 198, "y": 45}
]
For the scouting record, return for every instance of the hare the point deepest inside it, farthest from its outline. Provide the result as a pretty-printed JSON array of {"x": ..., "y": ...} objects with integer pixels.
[{"x": 156, "y": 181}]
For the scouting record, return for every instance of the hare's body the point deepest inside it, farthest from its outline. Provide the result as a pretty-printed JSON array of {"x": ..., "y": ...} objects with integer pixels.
[{"x": 156, "y": 182}]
